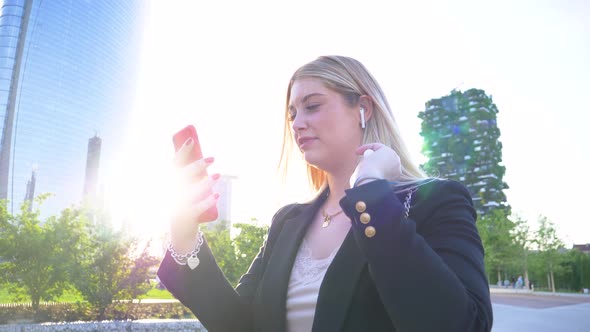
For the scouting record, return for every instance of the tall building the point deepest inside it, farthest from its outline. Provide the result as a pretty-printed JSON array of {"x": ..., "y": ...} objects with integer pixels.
[
  {"x": 461, "y": 142},
  {"x": 30, "y": 193},
  {"x": 92, "y": 167},
  {"x": 585, "y": 248},
  {"x": 224, "y": 188},
  {"x": 68, "y": 70}
]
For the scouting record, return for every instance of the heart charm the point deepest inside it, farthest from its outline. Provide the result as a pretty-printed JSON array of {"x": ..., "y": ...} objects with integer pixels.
[{"x": 193, "y": 262}]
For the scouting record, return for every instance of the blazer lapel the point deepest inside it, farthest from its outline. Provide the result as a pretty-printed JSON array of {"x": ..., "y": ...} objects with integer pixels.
[
  {"x": 274, "y": 284},
  {"x": 338, "y": 286}
]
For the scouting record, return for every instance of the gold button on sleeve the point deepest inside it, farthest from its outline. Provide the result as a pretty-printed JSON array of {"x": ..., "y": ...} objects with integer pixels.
[
  {"x": 360, "y": 206},
  {"x": 370, "y": 231},
  {"x": 365, "y": 218}
]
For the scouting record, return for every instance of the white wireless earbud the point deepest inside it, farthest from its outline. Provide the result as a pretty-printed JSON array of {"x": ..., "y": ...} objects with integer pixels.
[
  {"x": 362, "y": 110},
  {"x": 368, "y": 152}
]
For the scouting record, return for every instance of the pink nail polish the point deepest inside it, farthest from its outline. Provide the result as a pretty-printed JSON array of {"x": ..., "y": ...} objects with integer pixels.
[
  {"x": 215, "y": 176},
  {"x": 209, "y": 160}
]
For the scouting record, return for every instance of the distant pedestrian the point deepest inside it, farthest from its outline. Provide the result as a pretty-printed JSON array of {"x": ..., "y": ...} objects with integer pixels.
[{"x": 519, "y": 282}]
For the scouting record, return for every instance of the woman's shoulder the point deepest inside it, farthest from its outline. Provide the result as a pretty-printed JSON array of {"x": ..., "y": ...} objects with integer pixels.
[
  {"x": 285, "y": 212},
  {"x": 291, "y": 210},
  {"x": 436, "y": 194},
  {"x": 434, "y": 191},
  {"x": 432, "y": 187}
]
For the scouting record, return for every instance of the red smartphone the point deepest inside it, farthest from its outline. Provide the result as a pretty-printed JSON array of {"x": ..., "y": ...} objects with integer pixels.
[{"x": 178, "y": 139}]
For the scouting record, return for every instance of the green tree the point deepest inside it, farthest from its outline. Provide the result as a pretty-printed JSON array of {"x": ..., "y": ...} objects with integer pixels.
[
  {"x": 495, "y": 231},
  {"x": 247, "y": 245},
  {"x": 37, "y": 256},
  {"x": 580, "y": 269},
  {"x": 537, "y": 273},
  {"x": 109, "y": 270},
  {"x": 574, "y": 268},
  {"x": 522, "y": 239},
  {"x": 220, "y": 242},
  {"x": 549, "y": 245},
  {"x": 137, "y": 282},
  {"x": 234, "y": 255}
]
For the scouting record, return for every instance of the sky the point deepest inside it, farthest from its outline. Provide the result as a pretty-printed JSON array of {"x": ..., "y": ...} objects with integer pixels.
[{"x": 224, "y": 67}]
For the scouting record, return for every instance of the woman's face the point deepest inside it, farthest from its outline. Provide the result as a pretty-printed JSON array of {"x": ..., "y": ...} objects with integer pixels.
[{"x": 324, "y": 126}]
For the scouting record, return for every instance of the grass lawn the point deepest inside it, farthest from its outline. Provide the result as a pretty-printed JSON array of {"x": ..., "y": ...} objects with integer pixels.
[
  {"x": 73, "y": 296},
  {"x": 67, "y": 296},
  {"x": 155, "y": 293}
]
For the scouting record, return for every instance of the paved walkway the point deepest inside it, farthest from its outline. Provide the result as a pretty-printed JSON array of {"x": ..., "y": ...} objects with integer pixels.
[
  {"x": 545, "y": 312},
  {"x": 514, "y": 311}
]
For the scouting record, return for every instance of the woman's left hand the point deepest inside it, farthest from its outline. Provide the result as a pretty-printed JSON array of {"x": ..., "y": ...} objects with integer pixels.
[{"x": 382, "y": 163}]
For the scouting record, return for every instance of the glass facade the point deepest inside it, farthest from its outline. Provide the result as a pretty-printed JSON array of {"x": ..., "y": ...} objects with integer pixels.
[{"x": 74, "y": 79}]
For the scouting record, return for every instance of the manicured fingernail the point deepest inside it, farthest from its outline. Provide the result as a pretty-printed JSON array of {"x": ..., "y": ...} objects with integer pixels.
[
  {"x": 215, "y": 176},
  {"x": 209, "y": 160},
  {"x": 189, "y": 141},
  {"x": 216, "y": 196}
]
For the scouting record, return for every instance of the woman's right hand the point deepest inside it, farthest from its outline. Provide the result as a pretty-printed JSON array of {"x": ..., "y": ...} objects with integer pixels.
[{"x": 193, "y": 196}]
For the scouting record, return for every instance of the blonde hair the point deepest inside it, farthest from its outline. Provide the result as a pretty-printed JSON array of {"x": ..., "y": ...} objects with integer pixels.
[{"x": 352, "y": 80}]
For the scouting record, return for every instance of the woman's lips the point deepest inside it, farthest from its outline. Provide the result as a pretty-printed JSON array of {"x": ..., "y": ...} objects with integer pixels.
[{"x": 305, "y": 141}]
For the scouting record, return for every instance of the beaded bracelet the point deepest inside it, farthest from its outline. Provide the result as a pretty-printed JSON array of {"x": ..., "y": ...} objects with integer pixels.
[{"x": 190, "y": 258}]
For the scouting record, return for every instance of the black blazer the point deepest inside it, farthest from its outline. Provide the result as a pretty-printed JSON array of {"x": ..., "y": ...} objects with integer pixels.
[{"x": 422, "y": 273}]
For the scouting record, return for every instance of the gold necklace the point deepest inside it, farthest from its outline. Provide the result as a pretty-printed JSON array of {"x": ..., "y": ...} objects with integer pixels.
[{"x": 328, "y": 217}]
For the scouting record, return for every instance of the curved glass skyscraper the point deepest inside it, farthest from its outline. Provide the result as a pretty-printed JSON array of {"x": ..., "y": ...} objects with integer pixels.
[{"x": 67, "y": 81}]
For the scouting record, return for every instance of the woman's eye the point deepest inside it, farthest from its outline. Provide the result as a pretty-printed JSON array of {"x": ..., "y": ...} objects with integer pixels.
[
  {"x": 312, "y": 107},
  {"x": 291, "y": 116}
]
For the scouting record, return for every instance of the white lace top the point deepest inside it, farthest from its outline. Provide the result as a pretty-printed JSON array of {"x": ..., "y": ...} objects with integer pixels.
[{"x": 304, "y": 286}]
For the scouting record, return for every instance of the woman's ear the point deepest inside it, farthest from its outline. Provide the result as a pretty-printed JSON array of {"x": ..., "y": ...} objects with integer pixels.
[{"x": 366, "y": 104}]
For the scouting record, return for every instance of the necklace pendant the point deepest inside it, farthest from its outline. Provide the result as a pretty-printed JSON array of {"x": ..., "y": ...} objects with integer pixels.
[
  {"x": 326, "y": 222},
  {"x": 193, "y": 262}
]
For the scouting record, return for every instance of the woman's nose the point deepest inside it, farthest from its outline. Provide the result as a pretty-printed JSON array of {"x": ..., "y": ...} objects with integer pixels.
[{"x": 298, "y": 122}]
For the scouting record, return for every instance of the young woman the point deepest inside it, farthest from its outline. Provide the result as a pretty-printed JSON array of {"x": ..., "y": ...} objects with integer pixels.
[{"x": 380, "y": 248}]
